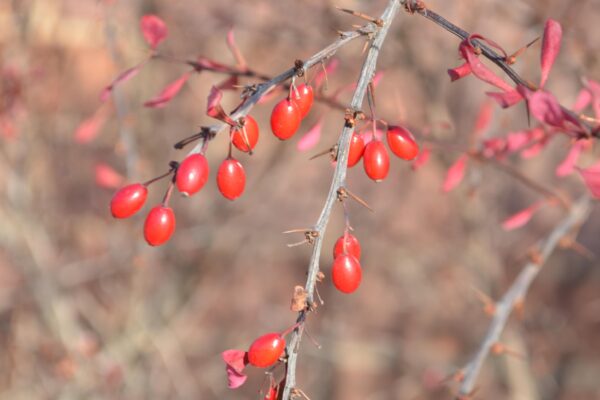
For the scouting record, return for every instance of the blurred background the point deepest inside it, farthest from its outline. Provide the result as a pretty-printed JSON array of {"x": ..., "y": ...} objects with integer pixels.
[{"x": 89, "y": 311}]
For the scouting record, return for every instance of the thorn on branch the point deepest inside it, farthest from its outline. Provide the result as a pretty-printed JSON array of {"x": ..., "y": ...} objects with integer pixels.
[
  {"x": 376, "y": 21},
  {"x": 344, "y": 193}
]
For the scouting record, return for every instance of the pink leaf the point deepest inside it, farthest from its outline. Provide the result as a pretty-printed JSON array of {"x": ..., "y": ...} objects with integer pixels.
[
  {"x": 229, "y": 83},
  {"x": 322, "y": 74},
  {"x": 584, "y": 98},
  {"x": 377, "y": 78},
  {"x": 515, "y": 141},
  {"x": 236, "y": 361},
  {"x": 311, "y": 138},
  {"x": 214, "y": 108},
  {"x": 421, "y": 159},
  {"x": 121, "y": 78},
  {"x": 521, "y": 218},
  {"x": 550, "y": 48},
  {"x": 455, "y": 174},
  {"x": 107, "y": 177},
  {"x": 544, "y": 107},
  {"x": 154, "y": 30},
  {"x": 568, "y": 165},
  {"x": 481, "y": 71},
  {"x": 591, "y": 177},
  {"x": 484, "y": 118},
  {"x": 237, "y": 54},
  {"x": 89, "y": 129},
  {"x": 459, "y": 72},
  {"x": 494, "y": 147},
  {"x": 168, "y": 92},
  {"x": 506, "y": 99}
]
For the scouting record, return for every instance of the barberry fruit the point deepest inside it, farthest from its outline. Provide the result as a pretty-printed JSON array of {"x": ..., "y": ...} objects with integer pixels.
[
  {"x": 285, "y": 119},
  {"x": 231, "y": 178},
  {"x": 192, "y": 174},
  {"x": 159, "y": 225},
  {"x": 128, "y": 200},
  {"x": 266, "y": 350},
  {"x": 251, "y": 129}
]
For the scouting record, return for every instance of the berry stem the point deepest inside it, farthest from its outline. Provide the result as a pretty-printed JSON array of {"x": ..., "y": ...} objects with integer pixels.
[{"x": 151, "y": 181}]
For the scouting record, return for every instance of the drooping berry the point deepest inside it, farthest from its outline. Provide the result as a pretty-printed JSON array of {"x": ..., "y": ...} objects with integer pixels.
[
  {"x": 346, "y": 273},
  {"x": 285, "y": 119},
  {"x": 159, "y": 225},
  {"x": 128, "y": 200},
  {"x": 251, "y": 129},
  {"x": 266, "y": 350},
  {"x": 402, "y": 143},
  {"x": 231, "y": 178},
  {"x": 304, "y": 99},
  {"x": 352, "y": 246},
  {"x": 192, "y": 174},
  {"x": 376, "y": 160},
  {"x": 357, "y": 148}
]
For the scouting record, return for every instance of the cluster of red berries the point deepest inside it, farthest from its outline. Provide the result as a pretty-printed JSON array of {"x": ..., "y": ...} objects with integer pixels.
[
  {"x": 289, "y": 112},
  {"x": 376, "y": 160},
  {"x": 346, "y": 272}
]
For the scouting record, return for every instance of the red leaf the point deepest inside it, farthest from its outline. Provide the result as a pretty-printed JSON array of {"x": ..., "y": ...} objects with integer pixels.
[
  {"x": 521, "y": 218},
  {"x": 229, "y": 83},
  {"x": 568, "y": 165},
  {"x": 122, "y": 77},
  {"x": 481, "y": 71},
  {"x": 421, "y": 159},
  {"x": 506, "y": 99},
  {"x": 584, "y": 98},
  {"x": 89, "y": 129},
  {"x": 459, "y": 72},
  {"x": 591, "y": 177},
  {"x": 154, "y": 30},
  {"x": 107, "y": 177},
  {"x": 484, "y": 118},
  {"x": 545, "y": 108},
  {"x": 236, "y": 361},
  {"x": 539, "y": 139},
  {"x": 494, "y": 147},
  {"x": 168, "y": 92},
  {"x": 322, "y": 74},
  {"x": 311, "y": 138},
  {"x": 455, "y": 174},
  {"x": 550, "y": 48},
  {"x": 237, "y": 54},
  {"x": 515, "y": 141},
  {"x": 214, "y": 108}
]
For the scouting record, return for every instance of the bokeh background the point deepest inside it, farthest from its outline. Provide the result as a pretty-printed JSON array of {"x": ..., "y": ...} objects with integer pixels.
[{"x": 89, "y": 311}]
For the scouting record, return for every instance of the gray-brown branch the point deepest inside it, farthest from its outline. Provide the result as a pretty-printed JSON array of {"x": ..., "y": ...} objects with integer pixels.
[{"x": 577, "y": 215}]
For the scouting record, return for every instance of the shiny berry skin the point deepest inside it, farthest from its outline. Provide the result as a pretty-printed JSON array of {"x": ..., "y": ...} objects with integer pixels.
[
  {"x": 352, "y": 246},
  {"x": 266, "y": 350},
  {"x": 159, "y": 225},
  {"x": 376, "y": 160},
  {"x": 357, "y": 148},
  {"x": 285, "y": 119},
  {"x": 192, "y": 174},
  {"x": 402, "y": 143},
  {"x": 271, "y": 394},
  {"x": 346, "y": 273},
  {"x": 128, "y": 200},
  {"x": 237, "y": 136},
  {"x": 305, "y": 99},
  {"x": 231, "y": 178}
]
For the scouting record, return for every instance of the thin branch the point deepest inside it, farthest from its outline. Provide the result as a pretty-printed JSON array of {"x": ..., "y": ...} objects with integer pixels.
[
  {"x": 518, "y": 290},
  {"x": 338, "y": 181}
]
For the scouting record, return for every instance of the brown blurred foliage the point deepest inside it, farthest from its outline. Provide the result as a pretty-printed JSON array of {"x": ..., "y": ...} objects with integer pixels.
[{"x": 89, "y": 311}]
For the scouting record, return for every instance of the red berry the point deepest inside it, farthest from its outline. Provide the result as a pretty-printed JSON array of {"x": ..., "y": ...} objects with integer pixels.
[
  {"x": 159, "y": 225},
  {"x": 376, "y": 160},
  {"x": 357, "y": 148},
  {"x": 128, "y": 200},
  {"x": 251, "y": 128},
  {"x": 352, "y": 246},
  {"x": 266, "y": 350},
  {"x": 402, "y": 143},
  {"x": 192, "y": 174},
  {"x": 271, "y": 394},
  {"x": 305, "y": 98},
  {"x": 231, "y": 178},
  {"x": 285, "y": 119},
  {"x": 346, "y": 273}
]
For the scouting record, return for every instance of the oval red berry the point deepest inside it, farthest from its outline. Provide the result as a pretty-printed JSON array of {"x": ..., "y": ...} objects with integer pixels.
[
  {"x": 266, "y": 350},
  {"x": 304, "y": 98},
  {"x": 231, "y": 179},
  {"x": 192, "y": 174},
  {"x": 346, "y": 273},
  {"x": 285, "y": 119},
  {"x": 402, "y": 143},
  {"x": 128, "y": 200},
  {"x": 251, "y": 130},
  {"x": 357, "y": 148},
  {"x": 376, "y": 160},
  {"x": 159, "y": 225},
  {"x": 347, "y": 244}
]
